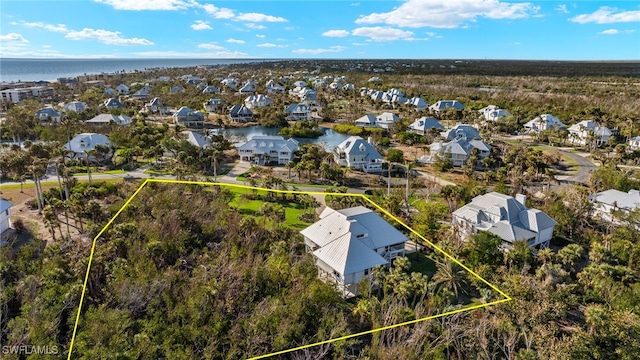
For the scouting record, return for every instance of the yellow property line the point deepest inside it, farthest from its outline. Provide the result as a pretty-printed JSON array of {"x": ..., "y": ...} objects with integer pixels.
[{"x": 206, "y": 183}]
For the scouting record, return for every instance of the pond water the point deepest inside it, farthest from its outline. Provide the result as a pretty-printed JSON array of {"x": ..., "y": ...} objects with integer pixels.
[{"x": 328, "y": 140}]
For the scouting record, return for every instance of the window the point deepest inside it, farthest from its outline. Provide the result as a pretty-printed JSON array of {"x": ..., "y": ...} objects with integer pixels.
[{"x": 366, "y": 272}]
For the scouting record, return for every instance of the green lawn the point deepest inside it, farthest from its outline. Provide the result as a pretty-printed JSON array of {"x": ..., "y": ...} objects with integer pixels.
[
  {"x": 251, "y": 208},
  {"x": 117, "y": 171},
  {"x": 422, "y": 265}
]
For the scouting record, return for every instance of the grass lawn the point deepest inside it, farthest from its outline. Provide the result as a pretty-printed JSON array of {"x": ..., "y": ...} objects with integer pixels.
[
  {"x": 251, "y": 207},
  {"x": 422, "y": 264},
  {"x": 117, "y": 171}
]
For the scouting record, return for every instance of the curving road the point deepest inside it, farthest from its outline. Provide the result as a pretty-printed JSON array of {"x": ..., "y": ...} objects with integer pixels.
[{"x": 585, "y": 167}]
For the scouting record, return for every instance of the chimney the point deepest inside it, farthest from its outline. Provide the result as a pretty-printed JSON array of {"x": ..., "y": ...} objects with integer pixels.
[
  {"x": 522, "y": 199},
  {"x": 370, "y": 140}
]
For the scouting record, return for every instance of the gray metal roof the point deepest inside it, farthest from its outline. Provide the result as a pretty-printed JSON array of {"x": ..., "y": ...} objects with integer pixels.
[
  {"x": 4, "y": 205},
  {"x": 355, "y": 145},
  {"x": 426, "y": 123},
  {"x": 623, "y": 200},
  {"x": 347, "y": 255},
  {"x": 464, "y": 131}
]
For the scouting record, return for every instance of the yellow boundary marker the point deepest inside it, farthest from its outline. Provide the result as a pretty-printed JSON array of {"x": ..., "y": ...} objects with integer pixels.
[{"x": 469, "y": 308}]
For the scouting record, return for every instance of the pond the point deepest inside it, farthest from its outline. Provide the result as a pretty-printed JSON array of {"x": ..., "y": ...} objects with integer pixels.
[{"x": 328, "y": 140}]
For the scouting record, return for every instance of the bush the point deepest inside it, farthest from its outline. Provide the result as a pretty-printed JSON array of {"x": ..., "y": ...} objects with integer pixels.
[{"x": 18, "y": 226}]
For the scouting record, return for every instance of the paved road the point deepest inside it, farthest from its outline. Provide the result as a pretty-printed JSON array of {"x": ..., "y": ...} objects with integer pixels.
[{"x": 585, "y": 167}]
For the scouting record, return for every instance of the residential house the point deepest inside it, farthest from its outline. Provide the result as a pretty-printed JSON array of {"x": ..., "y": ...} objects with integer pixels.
[
  {"x": 374, "y": 79},
  {"x": 507, "y": 217},
  {"x": 494, "y": 113},
  {"x": 109, "y": 92},
  {"x": 213, "y": 105},
  {"x": 176, "y": 89},
  {"x": 75, "y": 106},
  {"x": 112, "y": 104},
  {"x": 230, "y": 83},
  {"x": 274, "y": 88},
  {"x": 82, "y": 144},
  {"x": 606, "y": 203},
  {"x": 265, "y": 150},
  {"x": 257, "y": 101},
  {"x": 156, "y": 106},
  {"x": 347, "y": 244},
  {"x": 247, "y": 88},
  {"x": 386, "y": 120},
  {"x": 588, "y": 130},
  {"x": 122, "y": 89},
  {"x": 196, "y": 139},
  {"x": 457, "y": 151},
  {"x": 240, "y": 113},
  {"x": 300, "y": 84},
  {"x": 210, "y": 90},
  {"x": 105, "y": 119},
  {"x": 348, "y": 87},
  {"x": 358, "y": 154},
  {"x": 542, "y": 123},
  {"x": 5, "y": 214},
  {"x": 296, "y": 112},
  {"x": 424, "y": 124},
  {"x": 417, "y": 103},
  {"x": 634, "y": 143},
  {"x": 442, "y": 105},
  {"x": 187, "y": 117},
  {"x": 142, "y": 93},
  {"x": 461, "y": 131},
  {"x": 48, "y": 115},
  {"x": 368, "y": 120}
]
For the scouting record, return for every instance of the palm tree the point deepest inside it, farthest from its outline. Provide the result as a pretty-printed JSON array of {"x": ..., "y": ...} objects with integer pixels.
[
  {"x": 450, "y": 276},
  {"x": 290, "y": 165}
]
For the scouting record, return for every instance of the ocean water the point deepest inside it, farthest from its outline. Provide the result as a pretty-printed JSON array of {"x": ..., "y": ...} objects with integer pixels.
[{"x": 12, "y": 70}]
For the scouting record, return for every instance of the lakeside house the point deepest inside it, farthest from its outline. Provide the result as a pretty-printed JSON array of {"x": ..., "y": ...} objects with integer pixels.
[
  {"x": 507, "y": 217},
  {"x": 296, "y": 112},
  {"x": 368, "y": 120},
  {"x": 82, "y": 144},
  {"x": 105, "y": 119},
  {"x": 187, "y": 117},
  {"x": 588, "y": 130},
  {"x": 607, "y": 203},
  {"x": 542, "y": 123},
  {"x": 240, "y": 113},
  {"x": 424, "y": 124},
  {"x": 347, "y": 244},
  {"x": 5, "y": 214},
  {"x": 265, "y": 150},
  {"x": 195, "y": 139},
  {"x": 358, "y": 154},
  {"x": 48, "y": 115}
]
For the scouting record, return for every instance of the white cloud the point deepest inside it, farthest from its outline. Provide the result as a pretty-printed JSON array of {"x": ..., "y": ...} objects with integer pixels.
[
  {"x": 235, "y": 41},
  {"x": 254, "y": 26},
  {"x": 260, "y": 36},
  {"x": 188, "y": 54},
  {"x": 13, "y": 38},
  {"x": 210, "y": 46},
  {"x": 256, "y": 17},
  {"x": 201, "y": 25},
  {"x": 358, "y": 44},
  {"x": 289, "y": 28},
  {"x": 448, "y": 14},
  {"x": 615, "y": 32},
  {"x": 218, "y": 13},
  {"x": 607, "y": 15},
  {"x": 48, "y": 27},
  {"x": 105, "y": 36},
  {"x": 270, "y": 45},
  {"x": 331, "y": 49},
  {"x": 562, "y": 8},
  {"x": 335, "y": 33},
  {"x": 146, "y": 4},
  {"x": 379, "y": 33}
]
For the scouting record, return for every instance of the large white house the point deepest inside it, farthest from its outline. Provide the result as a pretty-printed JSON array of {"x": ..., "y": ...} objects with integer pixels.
[
  {"x": 605, "y": 203},
  {"x": 442, "y": 105},
  {"x": 358, "y": 154},
  {"x": 579, "y": 133},
  {"x": 386, "y": 120},
  {"x": 507, "y": 217},
  {"x": 461, "y": 131},
  {"x": 424, "y": 124},
  {"x": 5, "y": 223},
  {"x": 82, "y": 144},
  {"x": 542, "y": 123},
  {"x": 494, "y": 113},
  {"x": 347, "y": 244},
  {"x": 257, "y": 101},
  {"x": 366, "y": 121},
  {"x": 105, "y": 119},
  {"x": 634, "y": 143},
  {"x": 268, "y": 149},
  {"x": 295, "y": 112},
  {"x": 457, "y": 151}
]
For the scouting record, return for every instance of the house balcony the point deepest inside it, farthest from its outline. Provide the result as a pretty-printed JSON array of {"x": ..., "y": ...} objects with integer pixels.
[{"x": 346, "y": 290}]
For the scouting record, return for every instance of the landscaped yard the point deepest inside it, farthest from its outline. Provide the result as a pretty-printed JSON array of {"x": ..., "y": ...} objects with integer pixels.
[{"x": 422, "y": 264}]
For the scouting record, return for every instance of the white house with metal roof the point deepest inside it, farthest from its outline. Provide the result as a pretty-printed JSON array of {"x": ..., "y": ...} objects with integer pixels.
[
  {"x": 368, "y": 120},
  {"x": 542, "y": 123},
  {"x": 187, "y": 117},
  {"x": 494, "y": 113},
  {"x": 264, "y": 150},
  {"x": 122, "y": 89},
  {"x": 461, "y": 131},
  {"x": 507, "y": 217},
  {"x": 634, "y": 143},
  {"x": 196, "y": 139},
  {"x": 457, "y": 151},
  {"x": 257, "y": 101},
  {"x": 579, "y": 134},
  {"x": 347, "y": 244},
  {"x": 296, "y": 112},
  {"x": 424, "y": 124},
  {"x": 105, "y": 119},
  {"x": 358, "y": 154},
  {"x": 607, "y": 202},
  {"x": 156, "y": 106},
  {"x": 48, "y": 115},
  {"x": 112, "y": 103},
  {"x": 75, "y": 106},
  {"x": 5, "y": 213},
  {"x": 386, "y": 120},
  {"x": 442, "y": 105},
  {"x": 83, "y": 143}
]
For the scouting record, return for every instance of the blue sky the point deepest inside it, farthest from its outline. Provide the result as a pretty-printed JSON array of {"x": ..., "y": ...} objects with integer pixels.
[{"x": 470, "y": 29}]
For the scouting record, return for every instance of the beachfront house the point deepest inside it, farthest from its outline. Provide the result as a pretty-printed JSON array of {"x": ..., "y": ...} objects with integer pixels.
[
  {"x": 358, "y": 154},
  {"x": 240, "y": 113},
  {"x": 507, "y": 217},
  {"x": 347, "y": 244},
  {"x": 265, "y": 150}
]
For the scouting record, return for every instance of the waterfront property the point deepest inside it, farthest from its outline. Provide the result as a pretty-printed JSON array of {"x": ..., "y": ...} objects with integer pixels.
[
  {"x": 265, "y": 150},
  {"x": 358, "y": 154},
  {"x": 347, "y": 244},
  {"x": 366, "y": 121},
  {"x": 507, "y": 217},
  {"x": 240, "y": 113},
  {"x": 296, "y": 112},
  {"x": 187, "y": 117}
]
